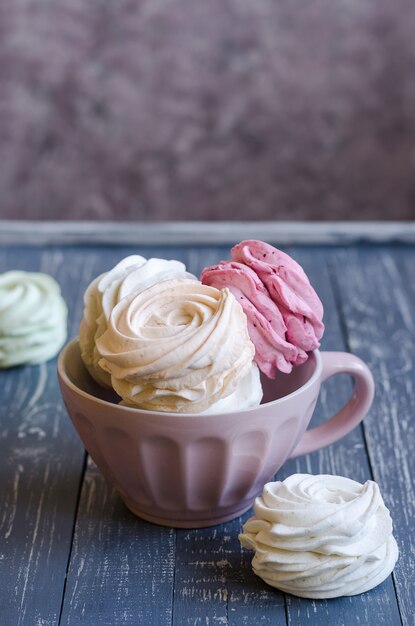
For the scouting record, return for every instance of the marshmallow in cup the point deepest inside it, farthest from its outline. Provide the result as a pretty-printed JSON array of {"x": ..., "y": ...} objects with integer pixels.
[
  {"x": 180, "y": 346},
  {"x": 189, "y": 470},
  {"x": 131, "y": 275}
]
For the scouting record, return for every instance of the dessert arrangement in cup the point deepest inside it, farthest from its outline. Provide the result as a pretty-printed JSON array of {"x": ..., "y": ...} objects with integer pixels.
[{"x": 165, "y": 386}]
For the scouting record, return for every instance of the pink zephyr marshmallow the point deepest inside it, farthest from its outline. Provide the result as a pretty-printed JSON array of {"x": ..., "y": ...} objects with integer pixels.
[
  {"x": 284, "y": 312},
  {"x": 266, "y": 326}
]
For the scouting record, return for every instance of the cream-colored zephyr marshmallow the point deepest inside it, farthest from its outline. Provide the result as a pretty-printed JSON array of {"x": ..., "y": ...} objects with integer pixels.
[
  {"x": 131, "y": 275},
  {"x": 177, "y": 346},
  {"x": 321, "y": 536}
]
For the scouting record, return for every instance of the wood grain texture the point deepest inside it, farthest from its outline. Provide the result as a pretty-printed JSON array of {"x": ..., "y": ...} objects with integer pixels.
[
  {"x": 347, "y": 457},
  {"x": 378, "y": 302},
  {"x": 40, "y": 469},
  {"x": 123, "y": 570},
  {"x": 214, "y": 584},
  {"x": 190, "y": 233}
]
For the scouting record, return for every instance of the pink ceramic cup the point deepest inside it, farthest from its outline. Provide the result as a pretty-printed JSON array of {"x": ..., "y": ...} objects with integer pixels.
[{"x": 189, "y": 470}]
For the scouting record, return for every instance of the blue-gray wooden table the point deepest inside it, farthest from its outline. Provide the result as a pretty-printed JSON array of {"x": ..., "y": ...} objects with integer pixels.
[{"x": 70, "y": 551}]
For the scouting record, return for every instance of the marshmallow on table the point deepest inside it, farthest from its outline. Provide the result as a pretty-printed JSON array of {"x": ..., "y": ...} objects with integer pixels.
[
  {"x": 33, "y": 318},
  {"x": 321, "y": 536}
]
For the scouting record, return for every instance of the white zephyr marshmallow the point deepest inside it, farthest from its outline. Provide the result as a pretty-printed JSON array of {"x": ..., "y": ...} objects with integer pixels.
[{"x": 321, "y": 536}]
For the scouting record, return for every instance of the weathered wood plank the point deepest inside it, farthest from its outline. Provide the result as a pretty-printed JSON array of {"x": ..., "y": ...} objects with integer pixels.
[
  {"x": 213, "y": 581},
  {"x": 378, "y": 302},
  {"x": 205, "y": 233},
  {"x": 122, "y": 568},
  {"x": 347, "y": 457},
  {"x": 41, "y": 463}
]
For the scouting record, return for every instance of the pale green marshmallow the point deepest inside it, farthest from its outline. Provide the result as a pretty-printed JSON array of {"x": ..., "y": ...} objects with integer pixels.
[{"x": 33, "y": 318}]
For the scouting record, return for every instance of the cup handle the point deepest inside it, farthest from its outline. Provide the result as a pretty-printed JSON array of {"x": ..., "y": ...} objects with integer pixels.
[{"x": 351, "y": 414}]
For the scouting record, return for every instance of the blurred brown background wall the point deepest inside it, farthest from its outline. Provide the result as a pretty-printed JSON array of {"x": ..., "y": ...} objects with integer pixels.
[{"x": 207, "y": 109}]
